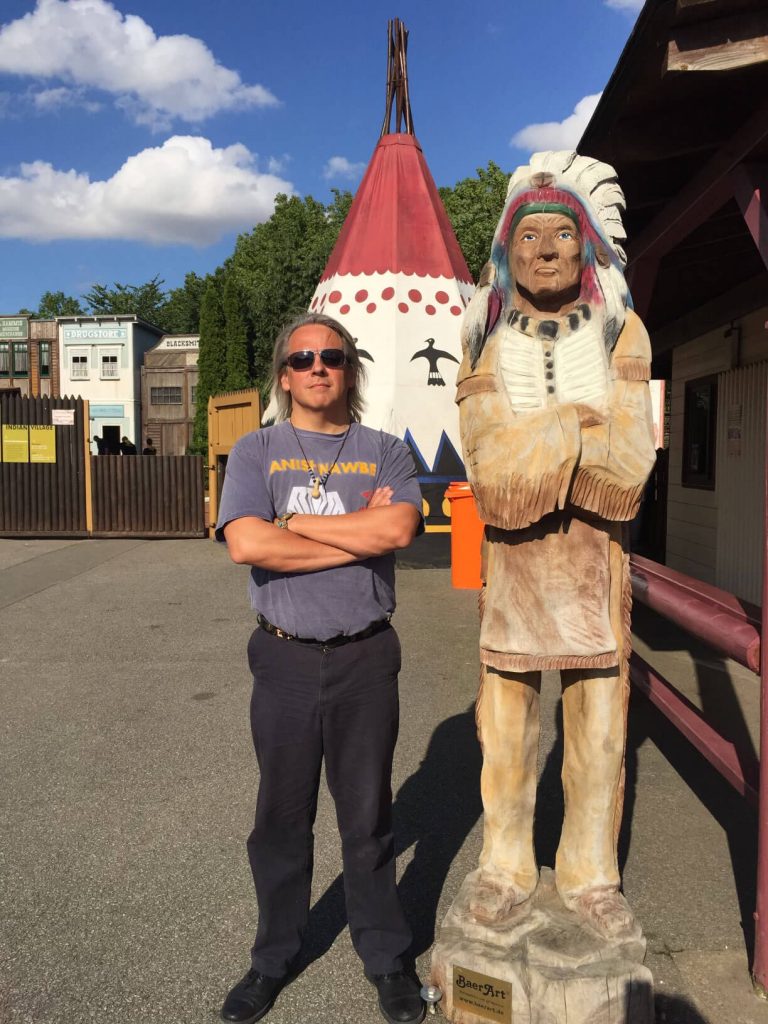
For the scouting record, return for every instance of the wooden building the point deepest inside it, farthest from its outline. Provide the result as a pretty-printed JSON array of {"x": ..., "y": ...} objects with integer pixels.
[
  {"x": 168, "y": 393},
  {"x": 29, "y": 356},
  {"x": 684, "y": 119}
]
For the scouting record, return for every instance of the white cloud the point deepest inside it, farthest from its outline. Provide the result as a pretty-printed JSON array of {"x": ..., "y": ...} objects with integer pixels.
[
  {"x": 625, "y": 5},
  {"x": 183, "y": 192},
  {"x": 89, "y": 43},
  {"x": 563, "y": 134},
  {"x": 49, "y": 100},
  {"x": 278, "y": 164},
  {"x": 340, "y": 167}
]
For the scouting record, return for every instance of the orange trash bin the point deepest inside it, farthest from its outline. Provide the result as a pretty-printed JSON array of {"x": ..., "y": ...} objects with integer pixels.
[{"x": 466, "y": 537}]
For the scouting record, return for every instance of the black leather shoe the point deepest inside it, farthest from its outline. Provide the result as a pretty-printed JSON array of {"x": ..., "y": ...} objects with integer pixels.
[
  {"x": 251, "y": 998},
  {"x": 400, "y": 1001}
]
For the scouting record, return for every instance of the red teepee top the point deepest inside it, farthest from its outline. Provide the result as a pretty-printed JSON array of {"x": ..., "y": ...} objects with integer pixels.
[{"x": 397, "y": 221}]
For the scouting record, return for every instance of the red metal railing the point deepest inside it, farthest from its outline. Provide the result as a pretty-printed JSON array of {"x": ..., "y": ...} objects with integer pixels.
[{"x": 733, "y": 627}]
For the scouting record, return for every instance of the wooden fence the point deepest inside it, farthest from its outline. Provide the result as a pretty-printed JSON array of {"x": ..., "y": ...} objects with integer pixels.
[
  {"x": 50, "y": 484},
  {"x": 148, "y": 496},
  {"x": 42, "y": 497}
]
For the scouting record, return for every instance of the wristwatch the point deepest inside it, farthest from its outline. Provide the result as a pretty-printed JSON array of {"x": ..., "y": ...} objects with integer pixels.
[{"x": 282, "y": 521}]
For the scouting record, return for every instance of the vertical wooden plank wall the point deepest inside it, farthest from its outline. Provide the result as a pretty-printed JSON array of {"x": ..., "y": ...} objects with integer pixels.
[
  {"x": 44, "y": 498},
  {"x": 149, "y": 496}
]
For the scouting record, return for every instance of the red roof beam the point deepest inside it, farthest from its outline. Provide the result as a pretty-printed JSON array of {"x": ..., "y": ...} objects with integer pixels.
[
  {"x": 750, "y": 187},
  {"x": 703, "y": 195}
]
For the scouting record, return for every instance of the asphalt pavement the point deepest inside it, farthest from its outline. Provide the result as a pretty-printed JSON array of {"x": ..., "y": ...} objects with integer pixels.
[{"x": 128, "y": 785}]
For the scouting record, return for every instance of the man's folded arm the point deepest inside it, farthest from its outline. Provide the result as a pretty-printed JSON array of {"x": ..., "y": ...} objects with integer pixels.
[
  {"x": 363, "y": 534},
  {"x": 253, "y": 541}
]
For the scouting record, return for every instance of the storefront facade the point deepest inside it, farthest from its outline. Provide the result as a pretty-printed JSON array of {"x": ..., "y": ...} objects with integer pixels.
[
  {"x": 168, "y": 392},
  {"x": 100, "y": 359},
  {"x": 29, "y": 359}
]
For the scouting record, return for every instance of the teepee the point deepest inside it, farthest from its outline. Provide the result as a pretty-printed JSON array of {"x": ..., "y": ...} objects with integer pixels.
[{"x": 398, "y": 281}]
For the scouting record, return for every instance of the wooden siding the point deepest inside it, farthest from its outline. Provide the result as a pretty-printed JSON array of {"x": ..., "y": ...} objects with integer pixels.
[
  {"x": 691, "y": 512},
  {"x": 703, "y": 536},
  {"x": 741, "y": 480}
]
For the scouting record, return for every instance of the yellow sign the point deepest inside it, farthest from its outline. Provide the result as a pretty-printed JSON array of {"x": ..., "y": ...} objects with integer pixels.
[
  {"x": 15, "y": 444},
  {"x": 482, "y": 995},
  {"x": 42, "y": 444}
]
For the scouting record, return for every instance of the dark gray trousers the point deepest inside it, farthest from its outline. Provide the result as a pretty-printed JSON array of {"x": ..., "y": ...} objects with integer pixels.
[{"x": 340, "y": 704}]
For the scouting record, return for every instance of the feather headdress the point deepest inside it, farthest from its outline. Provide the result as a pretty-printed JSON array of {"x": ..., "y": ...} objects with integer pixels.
[{"x": 590, "y": 189}]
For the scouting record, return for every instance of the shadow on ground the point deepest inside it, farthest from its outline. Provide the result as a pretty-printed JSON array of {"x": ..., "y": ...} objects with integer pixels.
[
  {"x": 434, "y": 811},
  {"x": 721, "y": 708}
]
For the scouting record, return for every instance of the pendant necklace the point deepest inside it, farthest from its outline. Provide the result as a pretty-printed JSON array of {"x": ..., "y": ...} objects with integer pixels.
[{"x": 319, "y": 481}]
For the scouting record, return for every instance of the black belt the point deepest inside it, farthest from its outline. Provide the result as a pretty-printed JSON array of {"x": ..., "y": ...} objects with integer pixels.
[{"x": 334, "y": 641}]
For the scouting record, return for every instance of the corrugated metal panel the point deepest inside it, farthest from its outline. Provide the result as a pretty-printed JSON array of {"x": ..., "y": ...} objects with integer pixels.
[{"x": 741, "y": 403}]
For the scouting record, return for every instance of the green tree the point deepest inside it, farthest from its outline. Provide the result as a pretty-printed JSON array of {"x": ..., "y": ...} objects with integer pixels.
[
  {"x": 147, "y": 300},
  {"x": 278, "y": 265},
  {"x": 53, "y": 304},
  {"x": 474, "y": 206},
  {"x": 211, "y": 360},
  {"x": 181, "y": 312},
  {"x": 237, "y": 336}
]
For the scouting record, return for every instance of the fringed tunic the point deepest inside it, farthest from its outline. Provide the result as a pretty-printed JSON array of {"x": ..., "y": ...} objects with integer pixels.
[{"x": 557, "y": 437}]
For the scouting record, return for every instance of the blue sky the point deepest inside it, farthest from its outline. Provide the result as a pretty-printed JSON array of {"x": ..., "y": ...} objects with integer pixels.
[{"x": 139, "y": 138}]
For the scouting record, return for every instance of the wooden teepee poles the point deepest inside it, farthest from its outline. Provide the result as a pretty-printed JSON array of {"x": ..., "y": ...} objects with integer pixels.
[{"x": 397, "y": 80}]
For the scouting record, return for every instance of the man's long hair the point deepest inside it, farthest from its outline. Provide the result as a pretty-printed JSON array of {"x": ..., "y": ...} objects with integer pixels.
[{"x": 282, "y": 399}]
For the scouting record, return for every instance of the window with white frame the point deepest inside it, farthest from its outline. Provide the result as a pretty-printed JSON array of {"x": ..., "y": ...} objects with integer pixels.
[
  {"x": 5, "y": 359},
  {"x": 110, "y": 367},
  {"x": 78, "y": 365}
]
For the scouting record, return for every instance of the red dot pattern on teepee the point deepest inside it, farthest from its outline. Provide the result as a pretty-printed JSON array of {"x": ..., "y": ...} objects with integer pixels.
[{"x": 362, "y": 297}]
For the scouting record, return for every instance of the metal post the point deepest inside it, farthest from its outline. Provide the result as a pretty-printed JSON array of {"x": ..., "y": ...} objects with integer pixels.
[{"x": 760, "y": 964}]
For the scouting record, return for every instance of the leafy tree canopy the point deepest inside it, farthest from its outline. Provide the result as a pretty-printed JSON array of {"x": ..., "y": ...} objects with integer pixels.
[
  {"x": 211, "y": 359},
  {"x": 181, "y": 312},
  {"x": 146, "y": 301},
  {"x": 53, "y": 304},
  {"x": 278, "y": 264},
  {"x": 474, "y": 206}
]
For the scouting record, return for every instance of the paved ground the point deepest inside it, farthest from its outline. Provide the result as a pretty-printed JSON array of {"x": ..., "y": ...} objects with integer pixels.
[{"x": 128, "y": 784}]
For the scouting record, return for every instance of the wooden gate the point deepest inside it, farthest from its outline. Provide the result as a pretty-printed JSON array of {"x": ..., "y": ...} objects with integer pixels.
[
  {"x": 148, "y": 496},
  {"x": 44, "y": 467},
  {"x": 229, "y": 417}
]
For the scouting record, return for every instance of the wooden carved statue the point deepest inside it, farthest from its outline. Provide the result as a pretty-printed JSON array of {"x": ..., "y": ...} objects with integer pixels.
[{"x": 557, "y": 436}]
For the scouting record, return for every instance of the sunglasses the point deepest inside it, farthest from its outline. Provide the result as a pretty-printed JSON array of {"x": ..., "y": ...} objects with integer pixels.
[{"x": 332, "y": 358}]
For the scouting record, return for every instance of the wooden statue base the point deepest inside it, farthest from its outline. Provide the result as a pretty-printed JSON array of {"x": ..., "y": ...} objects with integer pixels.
[{"x": 543, "y": 965}]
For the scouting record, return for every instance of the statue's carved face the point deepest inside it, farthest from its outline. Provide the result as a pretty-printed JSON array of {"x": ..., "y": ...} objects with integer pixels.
[{"x": 545, "y": 260}]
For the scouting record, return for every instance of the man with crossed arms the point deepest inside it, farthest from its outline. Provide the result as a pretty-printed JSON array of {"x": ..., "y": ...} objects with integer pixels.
[{"x": 317, "y": 504}]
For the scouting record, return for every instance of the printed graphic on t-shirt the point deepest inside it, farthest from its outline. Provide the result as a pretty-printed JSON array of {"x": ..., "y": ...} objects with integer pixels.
[
  {"x": 301, "y": 500},
  {"x": 321, "y": 468}
]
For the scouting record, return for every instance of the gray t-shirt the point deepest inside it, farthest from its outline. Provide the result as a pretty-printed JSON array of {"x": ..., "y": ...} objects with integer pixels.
[{"x": 267, "y": 474}]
